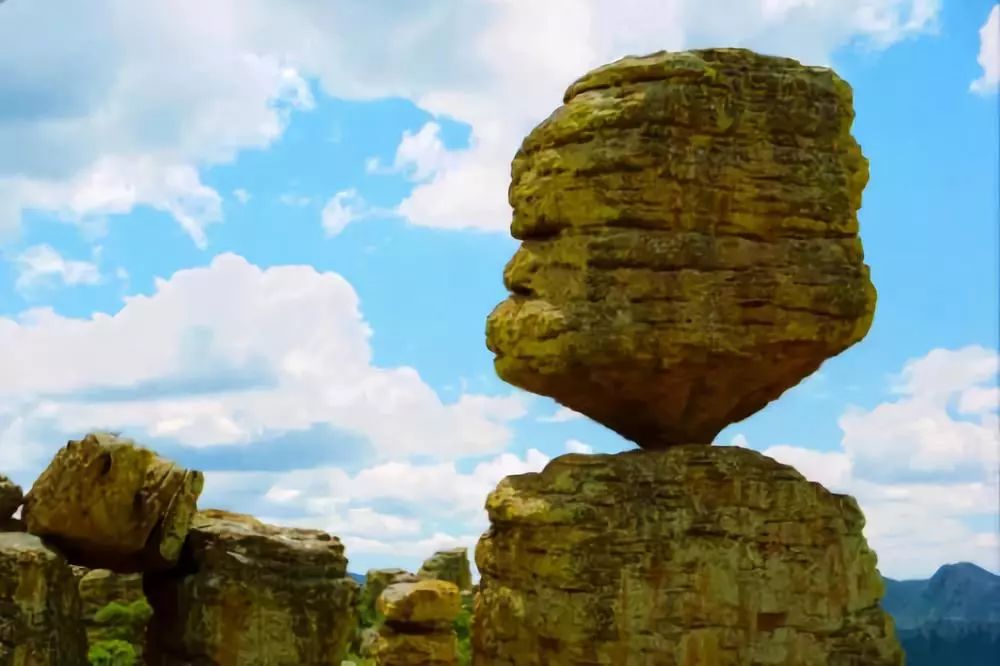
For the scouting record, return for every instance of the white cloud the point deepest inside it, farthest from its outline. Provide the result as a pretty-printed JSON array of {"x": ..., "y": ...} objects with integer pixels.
[
  {"x": 576, "y": 446},
  {"x": 917, "y": 469},
  {"x": 419, "y": 155},
  {"x": 230, "y": 353},
  {"x": 342, "y": 209},
  {"x": 132, "y": 123},
  {"x": 561, "y": 415},
  {"x": 294, "y": 200},
  {"x": 241, "y": 195},
  {"x": 989, "y": 55},
  {"x": 40, "y": 264}
]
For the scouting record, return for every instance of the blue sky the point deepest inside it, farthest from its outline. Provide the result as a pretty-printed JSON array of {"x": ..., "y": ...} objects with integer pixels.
[{"x": 264, "y": 240}]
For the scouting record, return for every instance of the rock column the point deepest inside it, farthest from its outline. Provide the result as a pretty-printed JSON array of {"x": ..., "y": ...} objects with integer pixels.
[{"x": 418, "y": 627}]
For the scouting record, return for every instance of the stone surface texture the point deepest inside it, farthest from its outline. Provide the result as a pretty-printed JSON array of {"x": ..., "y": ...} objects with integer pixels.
[
  {"x": 451, "y": 565},
  {"x": 250, "y": 594},
  {"x": 690, "y": 242},
  {"x": 697, "y": 555},
  {"x": 108, "y": 503},
  {"x": 113, "y": 607},
  {"x": 418, "y": 628},
  {"x": 10, "y": 497},
  {"x": 39, "y": 606}
]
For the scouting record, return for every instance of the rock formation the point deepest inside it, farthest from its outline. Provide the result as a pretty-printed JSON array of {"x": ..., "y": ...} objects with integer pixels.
[
  {"x": 107, "y": 503},
  {"x": 694, "y": 555},
  {"x": 376, "y": 580},
  {"x": 10, "y": 497},
  {"x": 690, "y": 251},
  {"x": 39, "y": 606},
  {"x": 252, "y": 594},
  {"x": 451, "y": 565},
  {"x": 418, "y": 627},
  {"x": 690, "y": 242}
]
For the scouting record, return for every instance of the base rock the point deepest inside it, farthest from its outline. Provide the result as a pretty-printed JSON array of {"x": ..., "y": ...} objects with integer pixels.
[
  {"x": 250, "y": 594},
  {"x": 419, "y": 624},
  {"x": 39, "y": 606},
  {"x": 695, "y": 555}
]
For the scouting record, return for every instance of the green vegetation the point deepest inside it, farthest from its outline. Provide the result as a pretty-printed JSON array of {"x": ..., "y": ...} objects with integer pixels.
[
  {"x": 112, "y": 653},
  {"x": 463, "y": 629},
  {"x": 122, "y": 622}
]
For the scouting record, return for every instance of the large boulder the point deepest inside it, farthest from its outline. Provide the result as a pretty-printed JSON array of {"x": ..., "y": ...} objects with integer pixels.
[
  {"x": 39, "y": 606},
  {"x": 690, "y": 242},
  {"x": 701, "y": 555},
  {"x": 108, "y": 503},
  {"x": 376, "y": 580},
  {"x": 451, "y": 565},
  {"x": 419, "y": 624},
  {"x": 252, "y": 594},
  {"x": 10, "y": 497}
]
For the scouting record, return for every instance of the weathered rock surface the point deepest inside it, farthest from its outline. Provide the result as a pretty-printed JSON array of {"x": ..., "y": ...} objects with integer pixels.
[
  {"x": 418, "y": 628},
  {"x": 690, "y": 242},
  {"x": 114, "y": 608},
  {"x": 10, "y": 497},
  {"x": 39, "y": 606},
  {"x": 376, "y": 580},
  {"x": 108, "y": 503},
  {"x": 252, "y": 594},
  {"x": 451, "y": 565},
  {"x": 700, "y": 555}
]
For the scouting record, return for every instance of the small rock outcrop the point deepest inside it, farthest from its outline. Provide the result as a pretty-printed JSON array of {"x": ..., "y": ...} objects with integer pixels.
[
  {"x": 252, "y": 594},
  {"x": 418, "y": 628},
  {"x": 107, "y": 503},
  {"x": 39, "y": 606},
  {"x": 376, "y": 580},
  {"x": 695, "y": 555},
  {"x": 690, "y": 242},
  {"x": 10, "y": 498},
  {"x": 451, "y": 565}
]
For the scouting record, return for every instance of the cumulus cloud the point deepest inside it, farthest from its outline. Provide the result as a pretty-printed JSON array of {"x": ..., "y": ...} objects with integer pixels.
[
  {"x": 227, "y": 354},
  {"x": 576, "y": 446},
  {"x": 989, "y": 55},
  {"x": 561, "y": 415},
  {"x": 342, "y": 209},
  {"x": 132, "y": 124},
  {"x": 42, "y": 264},
  {"x": 920, "y": 466}
]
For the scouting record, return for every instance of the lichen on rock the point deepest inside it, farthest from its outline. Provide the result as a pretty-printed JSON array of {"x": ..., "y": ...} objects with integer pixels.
[
  {"x": 451, "y": 565},
  {"x": 690, "y": 242},
  {"x": 39, "y": 605},
  {"x": 694, "y": 555},
  {"x": 252, "y": 594},
  {"x": 418, "y": 628},
  {"x": 106, "y": 502}
]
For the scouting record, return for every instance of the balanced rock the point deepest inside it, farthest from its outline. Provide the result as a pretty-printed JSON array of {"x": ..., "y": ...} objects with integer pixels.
[
  {"x": 252, "y": 594},
  {"x": 701, "y": 555},
  {"x": 108, "y": 503},
  {"x": 451, "y": 565},
  {"x": 39, "y": 606},
  {"x": 690, "y": 242},
  {"x": 418, "y": 628},
  {"x": 10, "y": 497},
  {"x": 376, "y": 580}
]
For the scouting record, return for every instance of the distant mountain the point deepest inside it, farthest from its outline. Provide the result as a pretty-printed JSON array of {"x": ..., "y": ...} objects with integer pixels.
[
  {"x": 360, "y": 578},
  {"x": 951, "y": 618}
]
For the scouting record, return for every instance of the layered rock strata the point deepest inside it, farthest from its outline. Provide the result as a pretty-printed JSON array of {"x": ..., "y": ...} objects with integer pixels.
[
  {"x": 39, "y": 606},
  {"x": 451, "y": 565},
  {"x": 107, "y": 503},
  {"x": 418, "y": 628},
  {"x": 696, "y": 555},
  {"x": 690, "y": 242},
  {"x": 250, "y": 594}
]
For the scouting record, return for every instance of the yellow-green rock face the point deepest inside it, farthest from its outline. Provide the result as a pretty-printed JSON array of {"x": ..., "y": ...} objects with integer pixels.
[
  {"x": 438, "y": 648},
  {"x": 250, "y": 594},
  {"x": 693, "y": 556},
  {"x": 39, "y": 606},
  {"x": 108, "y": 503},
  {"x": 690, "y": 242},
  {"x": 426, "y": 602}
]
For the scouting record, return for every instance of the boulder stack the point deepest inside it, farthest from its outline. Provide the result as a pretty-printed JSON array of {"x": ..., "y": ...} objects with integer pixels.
[
  {"x": 107, "y": 503},
  {"x": 252, "y": 594},
  {"x": 690, "y": 251},
  {"x": 451, "y": 565},
  {"x": 418, "y": 628},
  {"x": 39, "y": 605},
  {"x": 690, "y": 242}
]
